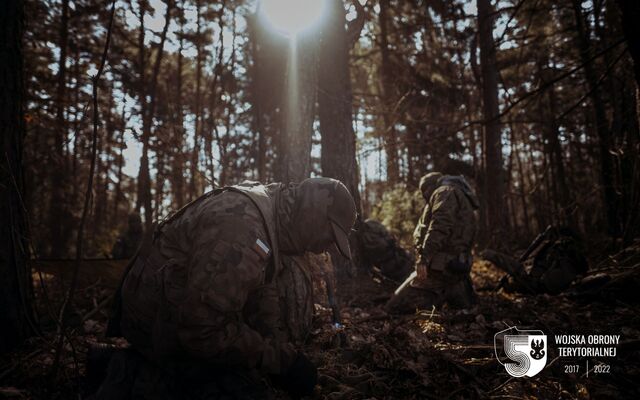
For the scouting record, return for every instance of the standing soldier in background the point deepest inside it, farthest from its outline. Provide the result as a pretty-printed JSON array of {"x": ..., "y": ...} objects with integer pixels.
[
  {"x": 209, "y": 306},
  {"x": 443, "y": 241}
]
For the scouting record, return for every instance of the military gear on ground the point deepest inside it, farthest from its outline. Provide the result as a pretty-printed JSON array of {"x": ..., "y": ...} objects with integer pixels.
[
  {"x": 127, "y": 244},
  {"x": 208, "y": 289},
  {"x": 380, "y": 249},
  {"x": 443, "y": 241},
  {"x": 550, "y": 264}
]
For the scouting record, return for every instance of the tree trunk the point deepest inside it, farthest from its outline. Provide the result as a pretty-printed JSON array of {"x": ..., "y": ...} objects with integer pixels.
[
  {"x": 630, "y": 13},
  {"x": 300, "y": 111},
  {"x": 148, "y": 114},
  {"x": 195, "y": 156},
  {"x": 338, "y": 156},
  {"x": 118, "y": 196},
  {"x": 493, "y": 182},
  {"x": 607, "y": 176},
  {"x": 15, "y": 279},
  {"x": 388, "y": 98},
  {"x": 630, "y": 10},
  {"x": 522, "y": 184},
  {"x": 212, "y": 127},
  {"x": 557, "y": 160},
  {"x": 178, "y": 131},
  {"x": 58, "y": 217},
  {"x": 144, "y": 184}
]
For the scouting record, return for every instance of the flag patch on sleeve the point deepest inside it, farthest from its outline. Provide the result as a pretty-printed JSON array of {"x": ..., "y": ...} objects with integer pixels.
[{"x": 262, "y": 248}]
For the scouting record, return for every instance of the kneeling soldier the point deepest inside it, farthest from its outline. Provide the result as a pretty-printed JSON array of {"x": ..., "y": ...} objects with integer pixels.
[
  {"x": 443, "y": 241},
  {"x": 200, "y": 304}
]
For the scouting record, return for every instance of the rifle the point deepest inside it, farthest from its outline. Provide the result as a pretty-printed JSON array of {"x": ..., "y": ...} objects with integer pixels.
[
  {"x": 406, "y": 282},
  {"x": 336, "y": 318},
  {"x": 534, "y": 244}
]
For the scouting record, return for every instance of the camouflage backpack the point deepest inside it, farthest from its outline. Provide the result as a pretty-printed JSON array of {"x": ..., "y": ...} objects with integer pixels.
[
  {"x": 376, "y": 240},
  {"x": 557, "y": 261},
  {"x": 381, "y": 250}
]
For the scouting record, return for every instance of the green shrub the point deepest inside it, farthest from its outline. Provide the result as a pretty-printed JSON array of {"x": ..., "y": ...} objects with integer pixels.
[{"x": 399, "y": 210}]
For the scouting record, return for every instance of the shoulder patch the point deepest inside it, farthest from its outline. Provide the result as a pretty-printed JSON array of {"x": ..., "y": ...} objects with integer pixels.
[{"x": 262, "y": 249}]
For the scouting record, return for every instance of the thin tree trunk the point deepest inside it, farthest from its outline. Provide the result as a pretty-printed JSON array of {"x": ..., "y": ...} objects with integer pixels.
[
  {"x": 143, "y": 199},
  {"x": 120, "y": 163},
  {"x": 178, "y": 130},
  {"x": 494, "y": 190},
  {"x": 195, "y": 157},
  {"x": 522, "y": 183},
  {"x": 57, "y": 217},
  {"x": 390, "y": 135},
  {"x": 260, "y": 130},
  {"x": 557, "y": 159},
  {"x": 160, "y": 180},
  {"x": 63, "y": 318},
  {"x": 607, "y": 175},
  {"x": 148, "y": 115},
  {"x": 213, "y": 104}
]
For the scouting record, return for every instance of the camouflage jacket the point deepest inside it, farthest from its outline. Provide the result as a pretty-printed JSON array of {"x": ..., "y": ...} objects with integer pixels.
[
  {"x": 448, "y": 222},
  {"x": 205, "y": 291}
]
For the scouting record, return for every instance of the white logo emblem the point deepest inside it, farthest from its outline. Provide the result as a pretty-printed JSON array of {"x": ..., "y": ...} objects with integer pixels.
[{"x": 523, "y": 352}]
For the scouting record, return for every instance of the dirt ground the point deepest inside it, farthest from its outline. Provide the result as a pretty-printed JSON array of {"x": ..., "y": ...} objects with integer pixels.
[
  {"x": 433, "y": 354},
  {"x": 449, "y": 354}
]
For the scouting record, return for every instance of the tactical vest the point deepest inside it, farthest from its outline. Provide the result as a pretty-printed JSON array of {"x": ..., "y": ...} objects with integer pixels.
[{"x": 257, "y": 193}]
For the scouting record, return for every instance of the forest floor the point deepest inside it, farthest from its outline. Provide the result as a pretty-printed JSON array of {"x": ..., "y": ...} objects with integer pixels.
[{"x": 433, "y": 354}]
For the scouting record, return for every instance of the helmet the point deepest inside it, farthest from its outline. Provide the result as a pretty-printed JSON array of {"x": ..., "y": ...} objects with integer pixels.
[
  {"x": 428, "y": 183},
  {"x": 326, "y": 199}
]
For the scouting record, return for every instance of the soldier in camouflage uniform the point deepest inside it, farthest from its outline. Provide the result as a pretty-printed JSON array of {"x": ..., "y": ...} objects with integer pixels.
[
  {"x": 443, "y": 241},
  {"x": 204, "y": 300},
  {"x": 550, "y": 264}
]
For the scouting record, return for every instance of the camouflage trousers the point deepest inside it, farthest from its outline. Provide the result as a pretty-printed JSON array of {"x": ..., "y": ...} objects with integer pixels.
[
  {"x": 131, "y": 377},
  {"x": 442, "y": 288}
]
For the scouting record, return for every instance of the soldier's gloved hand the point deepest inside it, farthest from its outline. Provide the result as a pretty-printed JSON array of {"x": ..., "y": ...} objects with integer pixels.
[{"x": 301, "y": 377}]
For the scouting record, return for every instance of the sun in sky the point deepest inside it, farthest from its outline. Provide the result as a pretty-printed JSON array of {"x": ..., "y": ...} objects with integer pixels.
[{"x": 292, "y": 16}]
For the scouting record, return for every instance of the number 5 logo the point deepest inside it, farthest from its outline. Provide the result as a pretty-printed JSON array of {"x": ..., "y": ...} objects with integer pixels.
[{"x": 521, "y": 352}]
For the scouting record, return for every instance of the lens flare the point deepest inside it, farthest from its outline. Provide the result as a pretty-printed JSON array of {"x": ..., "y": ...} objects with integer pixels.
[{"x": 292, "y": 16}]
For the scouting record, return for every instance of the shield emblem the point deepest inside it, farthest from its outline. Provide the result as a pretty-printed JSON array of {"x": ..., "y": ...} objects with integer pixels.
[{"x": 521, "y": 352}]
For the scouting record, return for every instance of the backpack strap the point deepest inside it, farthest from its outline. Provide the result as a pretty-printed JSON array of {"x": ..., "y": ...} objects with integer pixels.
[{"x": 257, "y": 193}]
